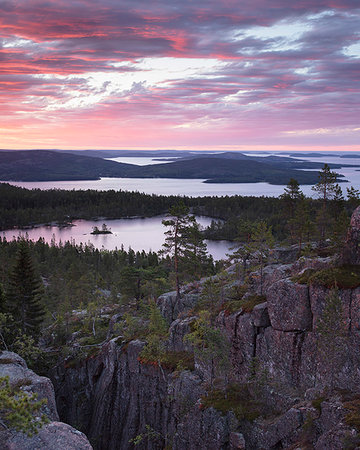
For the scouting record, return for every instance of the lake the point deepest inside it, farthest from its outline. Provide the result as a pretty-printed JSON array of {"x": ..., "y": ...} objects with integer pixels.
[
  {"x": 194, "y": 187},
  {"x": 138, "y": 233}
]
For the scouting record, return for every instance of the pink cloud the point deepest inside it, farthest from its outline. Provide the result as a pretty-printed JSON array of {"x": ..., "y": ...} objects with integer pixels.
[{"x": 262, "y": 88}]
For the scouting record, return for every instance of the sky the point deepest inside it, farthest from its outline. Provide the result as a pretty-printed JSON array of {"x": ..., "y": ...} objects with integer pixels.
[{"x": 180, "y": 74}]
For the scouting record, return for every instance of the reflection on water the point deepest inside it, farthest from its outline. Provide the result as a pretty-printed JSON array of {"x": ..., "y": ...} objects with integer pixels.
[{"x": 139, "y": 234}]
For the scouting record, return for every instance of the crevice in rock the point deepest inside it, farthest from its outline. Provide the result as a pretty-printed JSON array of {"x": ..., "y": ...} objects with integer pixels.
[
  {"x": 311, "y": 312},
  {"x": 255, "y": 335},
  {"x": 350, "y": 315},
  {"x": 98, "y": 373},
  {"x": 236, "y": 325},
  {"x": 296, "y": 356}
]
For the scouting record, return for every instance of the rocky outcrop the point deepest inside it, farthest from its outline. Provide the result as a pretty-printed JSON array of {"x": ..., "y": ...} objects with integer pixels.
[
  {"x": 351, "y": 251},
  {"x": 278, "y": 346},
  {"x": 171, "y": 307},
  {"x": 52, "y": 436},
  {"x": 116, "y": 398},
  {"x": 289, "y": 306}
]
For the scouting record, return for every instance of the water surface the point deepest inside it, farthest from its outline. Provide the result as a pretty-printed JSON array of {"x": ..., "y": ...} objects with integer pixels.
[{"x": 138, "y": 233}]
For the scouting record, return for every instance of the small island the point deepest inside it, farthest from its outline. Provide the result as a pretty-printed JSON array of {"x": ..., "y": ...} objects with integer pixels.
[{"x": 104, "y": 230}]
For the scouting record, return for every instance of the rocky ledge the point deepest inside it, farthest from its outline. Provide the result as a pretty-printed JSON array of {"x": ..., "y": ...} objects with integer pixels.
[{"x": 54, "y": 435}]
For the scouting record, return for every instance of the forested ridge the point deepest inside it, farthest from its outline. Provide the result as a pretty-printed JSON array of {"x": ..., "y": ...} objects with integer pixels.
[
  {"x": 20, "y": 207},
  {"x": 230, "y": 167}
]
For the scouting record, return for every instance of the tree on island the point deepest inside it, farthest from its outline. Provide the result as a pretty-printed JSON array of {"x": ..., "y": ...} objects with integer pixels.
[{"x": 104, "y": 229}]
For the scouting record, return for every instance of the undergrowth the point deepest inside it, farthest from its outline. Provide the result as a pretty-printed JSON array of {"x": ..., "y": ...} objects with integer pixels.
[
  {"x": 342, "y": 277},
  {"x": 236, "y": 398}
]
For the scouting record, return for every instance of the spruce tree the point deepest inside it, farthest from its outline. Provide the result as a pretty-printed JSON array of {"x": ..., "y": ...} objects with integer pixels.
[
  {"x": 2, "y": 299},
  {"x": 23, "y": 296}
]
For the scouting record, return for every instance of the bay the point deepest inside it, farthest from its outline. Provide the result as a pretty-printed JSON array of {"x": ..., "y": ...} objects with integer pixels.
[{"x": 138, "y": 233}]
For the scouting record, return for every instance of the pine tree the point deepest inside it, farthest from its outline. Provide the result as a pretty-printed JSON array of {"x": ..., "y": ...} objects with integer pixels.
[
  {"x": 195, "y": 254},
  {"x": 177, "y": 238},
  {"x": 302, "y": 224},
  {"x": 291, "y": 197},
  {"x": 340, "y": 218},
  {"x": 353, "y": 196},
  {"x": 326, "y": 190},
  {"x": 23, "y": 296},
  {"x": 259, "y": 247},
  {"x": 242, "y": 250}
]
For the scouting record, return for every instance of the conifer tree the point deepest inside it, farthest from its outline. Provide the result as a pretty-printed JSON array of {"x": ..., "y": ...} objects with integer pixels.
[
  {"x": 302, "y": 224},
  {"x": 210, "y": 345},
  {"x": 23, "y": 296},
  {"x": 291, "y": 197},
  {"x": 326, "y": 190},
  {"x": 177, "y": 237},
  {"x": 353, "y": 196},
  {"x": 242, "y": 251},
  {"x": 195, "y": 254},
  {"x": 2, "y": 299},
  {"x": 262, "y": 241}
]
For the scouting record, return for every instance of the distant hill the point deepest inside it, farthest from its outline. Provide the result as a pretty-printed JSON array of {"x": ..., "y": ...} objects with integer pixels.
[
  {"x": 43, "y": 165},
  {"x": 128, "y": 153},
  {"x": 226, "y": 171},
  {"x": 278, "y": 161}
]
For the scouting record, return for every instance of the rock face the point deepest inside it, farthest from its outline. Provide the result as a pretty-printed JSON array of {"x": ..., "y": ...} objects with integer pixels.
[
  {"x": 171, "y": 307},
  {"x": 115, "y": 398},
  {"x": 53, "y": 436},
  {"x": 351, "y": 252}
]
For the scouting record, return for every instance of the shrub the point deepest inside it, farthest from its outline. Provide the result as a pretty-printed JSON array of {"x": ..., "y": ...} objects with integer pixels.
[
  {"x": 247, "y": 304},
  {"x": 342, "y": 277},
  {"x": 20, "y": 410},
  {"x": 235, "y": 398}
]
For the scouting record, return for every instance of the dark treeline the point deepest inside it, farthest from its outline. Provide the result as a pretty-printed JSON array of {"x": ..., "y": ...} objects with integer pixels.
[
  {"x": 24, "y": 207},
  {"x": 21, "y": 207}
]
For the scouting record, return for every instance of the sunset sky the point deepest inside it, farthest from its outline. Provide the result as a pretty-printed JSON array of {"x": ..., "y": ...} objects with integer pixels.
[{"x": 180, "y": 74}]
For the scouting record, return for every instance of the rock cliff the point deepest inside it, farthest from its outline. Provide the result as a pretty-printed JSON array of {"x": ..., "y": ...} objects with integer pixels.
[{"x": 296, "y": 350}]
